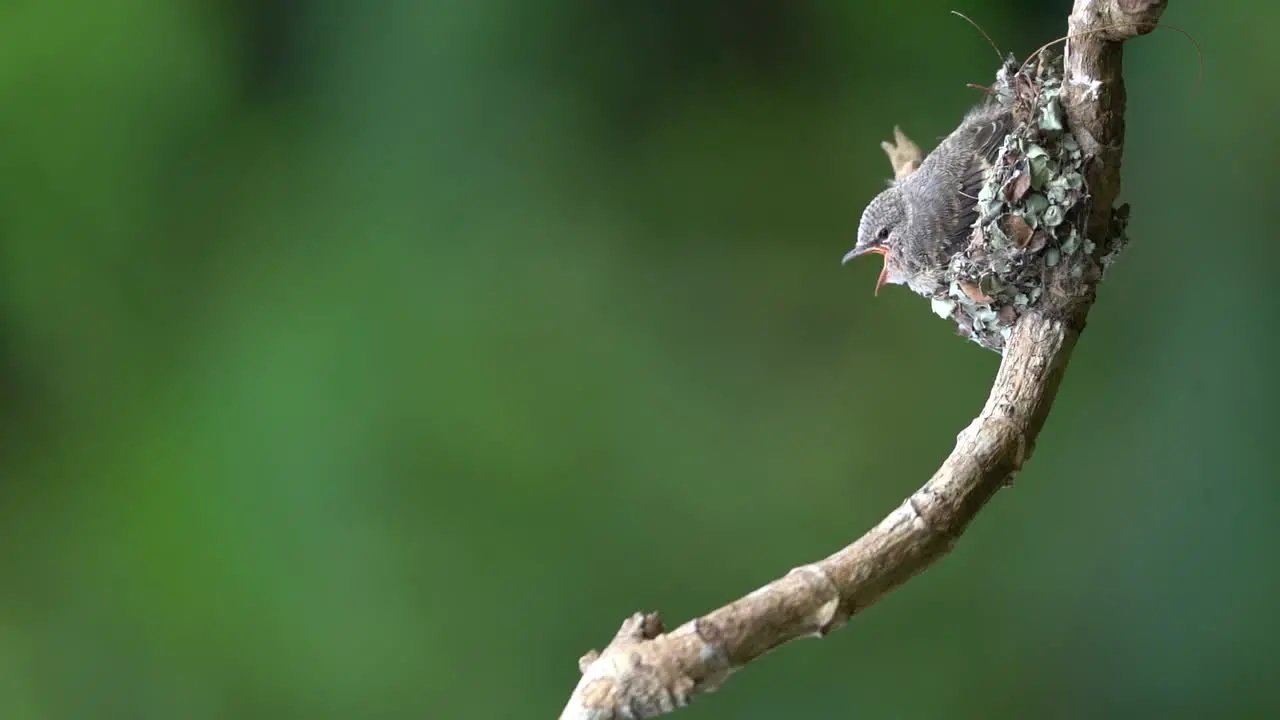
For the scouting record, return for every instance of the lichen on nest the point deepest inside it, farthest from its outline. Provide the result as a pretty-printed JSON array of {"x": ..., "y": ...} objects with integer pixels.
[{"x": 1032, "y": 212}]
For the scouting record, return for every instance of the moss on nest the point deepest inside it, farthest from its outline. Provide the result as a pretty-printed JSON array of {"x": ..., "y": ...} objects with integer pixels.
[{"x": 1031, "y": 213}]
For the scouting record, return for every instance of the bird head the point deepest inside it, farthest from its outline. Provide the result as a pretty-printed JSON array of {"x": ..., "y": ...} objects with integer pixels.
[{"x": 880, "y": 228}]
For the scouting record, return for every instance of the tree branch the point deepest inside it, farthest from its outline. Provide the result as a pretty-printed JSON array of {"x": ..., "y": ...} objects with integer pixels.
[{"x": 646, "y": 672}]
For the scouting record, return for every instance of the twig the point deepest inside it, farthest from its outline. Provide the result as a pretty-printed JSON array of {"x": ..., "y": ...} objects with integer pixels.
[{"x": 646, "y": 672}]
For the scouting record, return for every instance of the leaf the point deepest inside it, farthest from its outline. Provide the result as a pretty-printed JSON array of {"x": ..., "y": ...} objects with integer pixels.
[
  {"x": 996, "y": 237},
  {"x": 975, "y": 293},
  {"x": 1019, "y": 231},
  {"x": 1071, "y": 243},
  {"x": 1041, "y": 170},
  {"x": 1023, "y": 88},
  {"x": 986, "y": 314},
  {"x": 1015, "y": 189},
  {"x": 1035, "y": 205},
  {"x": 1051, "y": 115},
  {"x": 989, "y": 202},
  {"x": 1007, "y": 315},
  {"x": 1038, "y": 241},
  {"x": 990, "y": 285},
  {"x": 983, "y": 317},
  {"x": 1057, "y": 190}
]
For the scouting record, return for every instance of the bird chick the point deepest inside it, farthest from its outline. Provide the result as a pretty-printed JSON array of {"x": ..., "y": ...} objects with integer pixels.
[{"x": 920, "y": 221}]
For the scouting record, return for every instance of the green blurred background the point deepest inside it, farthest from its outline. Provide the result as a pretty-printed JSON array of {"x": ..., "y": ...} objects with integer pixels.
[{"x": 376, "y": 359}]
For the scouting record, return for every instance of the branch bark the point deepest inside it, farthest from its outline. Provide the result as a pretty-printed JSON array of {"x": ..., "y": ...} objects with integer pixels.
[{"x": 647, "y": 672}]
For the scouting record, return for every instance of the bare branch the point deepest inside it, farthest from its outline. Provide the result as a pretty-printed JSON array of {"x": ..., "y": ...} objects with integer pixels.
[{"x": 646, "y": 672}]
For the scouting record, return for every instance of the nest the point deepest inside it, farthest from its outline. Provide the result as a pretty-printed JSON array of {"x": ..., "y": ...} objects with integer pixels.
[{"x": 1028, "y": 241}]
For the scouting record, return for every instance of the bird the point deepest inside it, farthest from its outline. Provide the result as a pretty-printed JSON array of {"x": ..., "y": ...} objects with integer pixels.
[{"x": 919, "y": 222}]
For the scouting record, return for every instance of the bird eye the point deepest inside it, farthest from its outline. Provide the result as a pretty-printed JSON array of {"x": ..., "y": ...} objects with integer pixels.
[{"x": 882, "y": 234}]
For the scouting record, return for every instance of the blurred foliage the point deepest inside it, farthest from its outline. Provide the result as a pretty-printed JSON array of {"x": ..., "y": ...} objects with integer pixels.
[{"x": 376, "y": 359}]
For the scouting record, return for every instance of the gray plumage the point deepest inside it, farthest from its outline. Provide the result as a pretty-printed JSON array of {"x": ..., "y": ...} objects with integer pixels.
[{"x": 919, "y": 222}]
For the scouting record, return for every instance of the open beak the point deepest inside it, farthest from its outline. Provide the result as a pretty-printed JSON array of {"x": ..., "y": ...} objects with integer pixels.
[{"x": 870, "y": 250}]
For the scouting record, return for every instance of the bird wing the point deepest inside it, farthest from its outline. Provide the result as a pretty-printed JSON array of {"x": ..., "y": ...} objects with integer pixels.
[{"x": 986, "y": 128}]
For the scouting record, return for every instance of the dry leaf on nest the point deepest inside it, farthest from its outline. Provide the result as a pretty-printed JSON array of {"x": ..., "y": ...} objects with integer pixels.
[
  {"x": 1017, "y": 188},
  {"x": 975, "y": 294},
  {"x": 1019, "y": 231},
  {"x": 1038, "y": 240},
  {"x": 1007, "y": 315}
]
